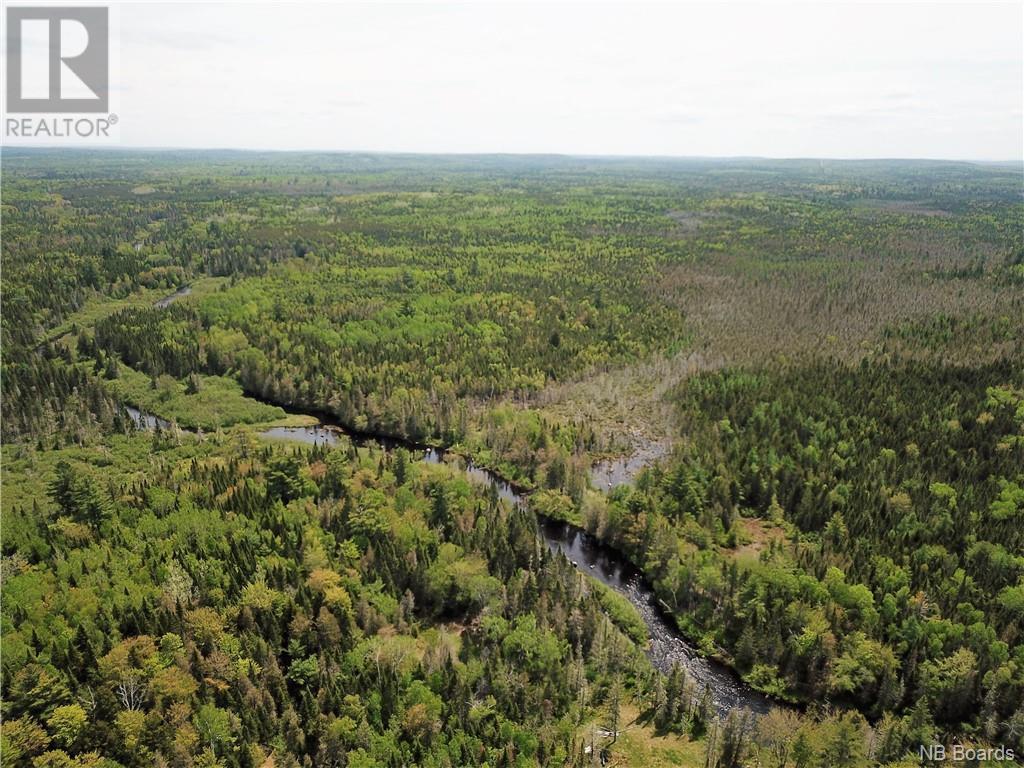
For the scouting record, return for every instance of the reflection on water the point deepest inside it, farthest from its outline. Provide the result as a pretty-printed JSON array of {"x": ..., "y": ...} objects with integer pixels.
[
  {"x": 316, "y": 435},
  {"x": 166, "y": 301},
  {"x": 667, "y": 645},
  {"x": 144, "y": 420},
  {"x": 613, "y": 472}
]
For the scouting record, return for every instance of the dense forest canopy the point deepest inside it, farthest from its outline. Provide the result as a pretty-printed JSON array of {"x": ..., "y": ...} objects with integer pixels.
[{"x": 826, "y": 355}]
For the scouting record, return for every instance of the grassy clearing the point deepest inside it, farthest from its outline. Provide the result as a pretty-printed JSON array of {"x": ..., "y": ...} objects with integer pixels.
[
  {"x": 219, "y": 402},
  {"x": 97, "y": 308},
  {"x": 639, "y": 745}
]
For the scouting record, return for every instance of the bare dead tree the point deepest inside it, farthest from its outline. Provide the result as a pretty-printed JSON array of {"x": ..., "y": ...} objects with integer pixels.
[
  {"x": 87, "y": 699},
  {"x": 131, "y": 690}
]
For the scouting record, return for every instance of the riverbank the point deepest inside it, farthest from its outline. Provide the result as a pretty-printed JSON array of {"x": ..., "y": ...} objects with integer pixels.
[
  {"x": 668, "y": 645},
  {"x": 596, "y": 561}
]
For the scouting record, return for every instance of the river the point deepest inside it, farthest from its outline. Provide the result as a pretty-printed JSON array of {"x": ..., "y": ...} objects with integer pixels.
[{"x": 667, "y": 646}]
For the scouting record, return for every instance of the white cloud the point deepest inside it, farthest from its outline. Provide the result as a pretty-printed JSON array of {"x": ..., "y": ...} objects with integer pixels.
[{"x": 840, "y": 80}]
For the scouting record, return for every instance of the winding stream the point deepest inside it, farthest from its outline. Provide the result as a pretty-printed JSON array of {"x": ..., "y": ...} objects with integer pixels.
[
  {"x": 166, "y": 301},
  {"x": 667, "y": 645}
]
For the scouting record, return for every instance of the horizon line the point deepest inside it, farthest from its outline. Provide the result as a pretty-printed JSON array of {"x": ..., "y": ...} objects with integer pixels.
[{"x": 449, "y": 153}]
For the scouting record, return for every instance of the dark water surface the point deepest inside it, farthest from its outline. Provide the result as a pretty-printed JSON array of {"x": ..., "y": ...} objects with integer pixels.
[
  {"x": 144, "y": 420},
  {"x": 667, "y": 645},
  {"x": 610, "y": 473},
  {"x": 166, "y": 301},
  {"x": 590, "y": 556}
]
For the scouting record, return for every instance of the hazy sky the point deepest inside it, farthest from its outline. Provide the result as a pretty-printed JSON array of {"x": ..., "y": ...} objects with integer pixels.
[{"x": 810, "y": 79}]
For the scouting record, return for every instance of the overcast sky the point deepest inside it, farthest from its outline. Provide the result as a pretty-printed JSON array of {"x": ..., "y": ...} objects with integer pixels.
[{"x": 780, "y": 80}]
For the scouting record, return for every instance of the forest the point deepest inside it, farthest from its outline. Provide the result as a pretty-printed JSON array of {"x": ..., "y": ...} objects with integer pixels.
[
  {"x": 819, "y": 363},
  {"x": 797, "y": 531}
]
